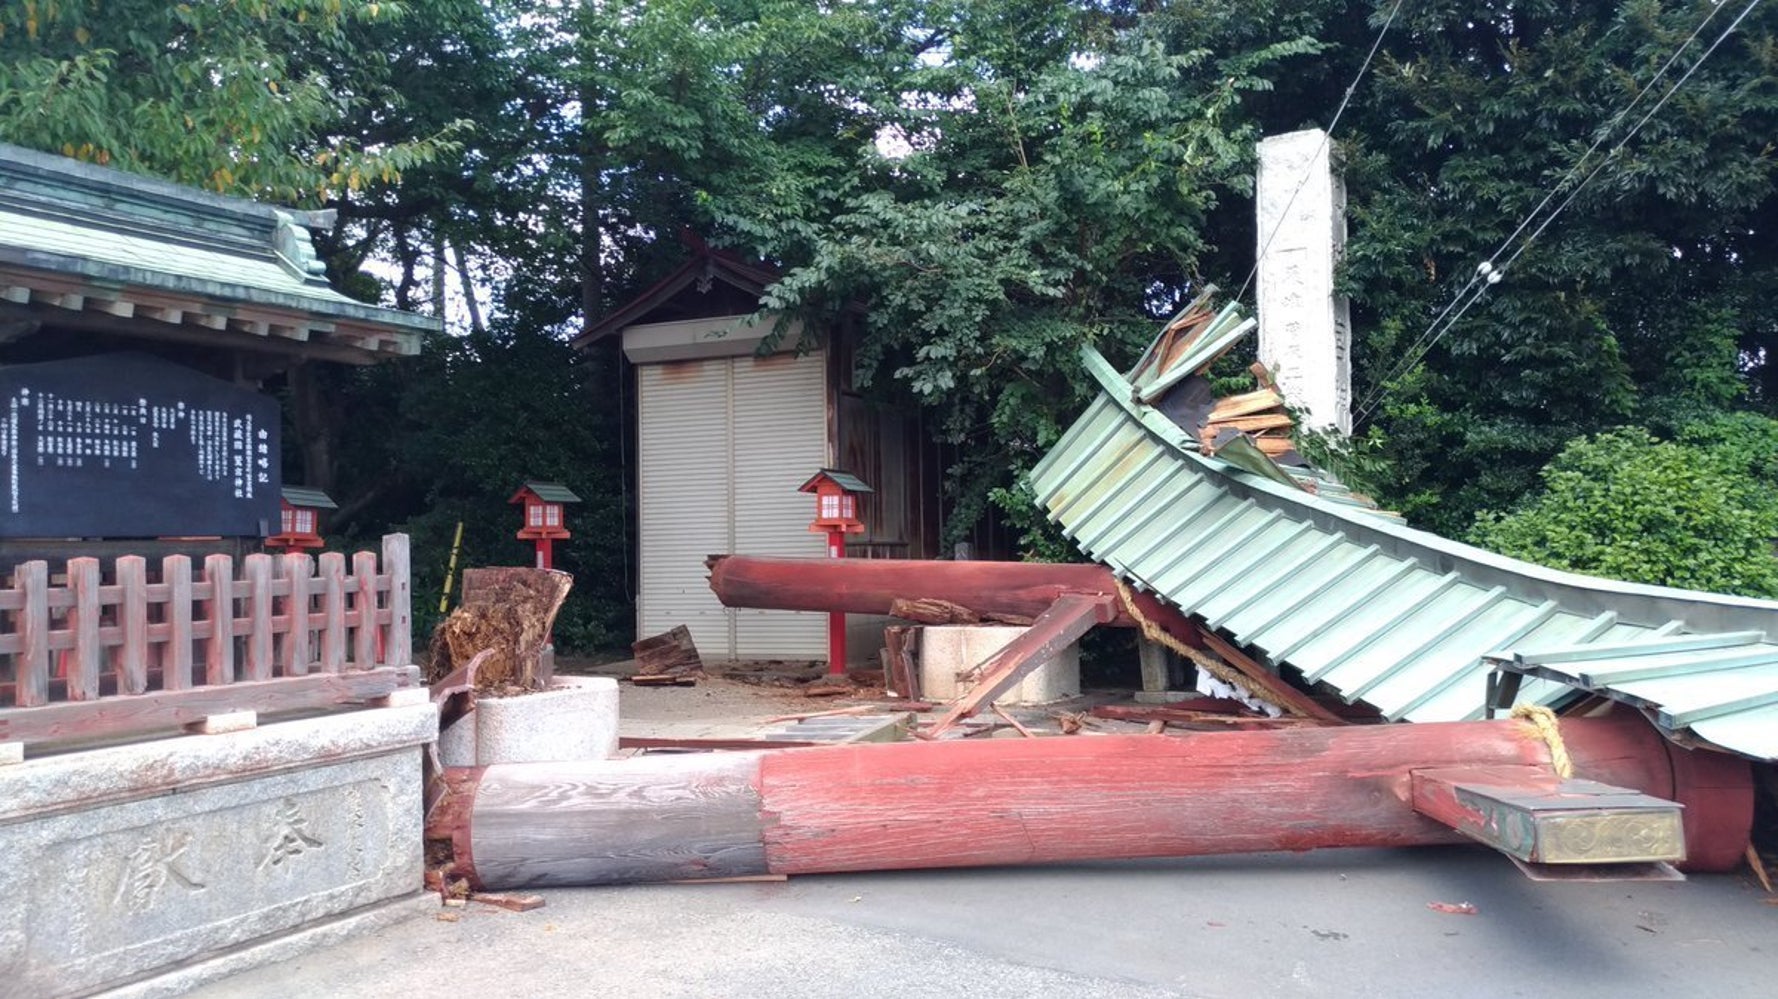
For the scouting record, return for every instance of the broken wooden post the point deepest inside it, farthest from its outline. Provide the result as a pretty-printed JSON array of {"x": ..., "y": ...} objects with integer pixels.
[
  {"x": 964, "y": 803},
  {"x": 667, "y": 656},
  {"x": 1055, "y": 629},
  {"x": 1018, "y": 591},
  {"x": 507, "y": 609},
  {"x": 993, "y": 590}
]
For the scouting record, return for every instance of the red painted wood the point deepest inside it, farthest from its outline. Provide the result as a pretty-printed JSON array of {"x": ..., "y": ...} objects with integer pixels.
[
  {"x": 993, "y": 802},
  {"x": 869, "y": 586},
  {"x": 33, "y": 624},
  {"x": 165, "y": 709},
  {"x": 83, "y": 623},
  {"x": 1058, "y": 627},
  {"x": 450, "y": 819},
  {"x": 1716, "y": 790},
  {"x": 969, "y": 803}
]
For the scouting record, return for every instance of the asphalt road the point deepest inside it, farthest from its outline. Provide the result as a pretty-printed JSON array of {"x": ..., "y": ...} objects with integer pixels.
[{"x": 1332, "y": 923}]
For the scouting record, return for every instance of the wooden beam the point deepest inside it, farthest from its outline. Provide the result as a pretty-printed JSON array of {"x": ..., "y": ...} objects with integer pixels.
[
  {"x": 872, "y": 586},
  {"x": 1529, "y": 813},
  {"x": 1183, "y": 714},
  {"x": 965, "y": 803},
  {"x": 1070, "y": 617},
  {"x": 173, "y": 708}
]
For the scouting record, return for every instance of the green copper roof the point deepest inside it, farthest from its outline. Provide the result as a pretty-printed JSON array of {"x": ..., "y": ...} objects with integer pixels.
[
  {"x": 550, "y": 492},
  {"x": 1375, "y": 611},
  {"x": 304, "y": 496},
  {"x": 81, "y": 237},
  {"x": 845, "y": 480}
]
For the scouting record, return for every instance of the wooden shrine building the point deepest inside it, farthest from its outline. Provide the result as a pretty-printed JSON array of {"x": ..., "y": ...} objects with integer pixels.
[{"x": 730, "y": 420}]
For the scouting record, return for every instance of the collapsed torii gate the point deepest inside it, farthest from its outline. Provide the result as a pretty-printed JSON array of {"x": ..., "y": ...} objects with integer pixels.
[{"x": 1267, "y": 567}]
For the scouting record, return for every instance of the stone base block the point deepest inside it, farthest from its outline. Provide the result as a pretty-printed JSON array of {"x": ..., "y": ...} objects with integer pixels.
[
  {"x": 576, "y": 719},
  {"x": 282, "y": 947},
  {"x": 130, "y": 861},
  {"x": 948, "y": 650}
]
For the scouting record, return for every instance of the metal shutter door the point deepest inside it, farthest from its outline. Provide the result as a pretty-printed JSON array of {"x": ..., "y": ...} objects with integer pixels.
[
  {"x": 780, "y": 433},
  {"x": 683, "y": 497}
]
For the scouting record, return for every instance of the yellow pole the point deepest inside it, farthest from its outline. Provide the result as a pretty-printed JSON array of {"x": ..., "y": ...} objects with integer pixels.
[{"x": 444, "y": 598}]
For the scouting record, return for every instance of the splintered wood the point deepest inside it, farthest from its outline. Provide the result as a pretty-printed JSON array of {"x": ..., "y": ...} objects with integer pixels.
[
  {"x": 508, "y": 610},
  {"x": 930, "y": 610},
  {"x": 901, "y": 669},
  {"x": 667, "y": 659}
]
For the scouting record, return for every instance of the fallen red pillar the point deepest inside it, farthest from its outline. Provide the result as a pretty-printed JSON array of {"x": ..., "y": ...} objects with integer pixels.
[
  {"x": 869, "y": 586},
  {"x": 992, "y": 802},
  {"x": 995, "y": 589}
]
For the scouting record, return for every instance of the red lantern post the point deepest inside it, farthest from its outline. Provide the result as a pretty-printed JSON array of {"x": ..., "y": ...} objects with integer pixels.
[
  {"x": 836, "y": 515},
  {"x": 544, "y": 520}
]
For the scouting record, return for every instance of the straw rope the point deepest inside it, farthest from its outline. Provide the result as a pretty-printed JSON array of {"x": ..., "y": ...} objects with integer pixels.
[
  {"x": 1209, "y": 664},
  {"x": 1543, "y": 720}
]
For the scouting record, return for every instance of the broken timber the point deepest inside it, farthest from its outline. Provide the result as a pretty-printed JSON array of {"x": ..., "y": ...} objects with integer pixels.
[
  {"x": 963, "y": 803},
  {"x": 996, "y": 590},
  {"x": 1070, "y": 617}
]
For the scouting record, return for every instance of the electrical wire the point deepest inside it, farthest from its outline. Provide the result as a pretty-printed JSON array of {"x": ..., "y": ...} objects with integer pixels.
[{"x": 1488, "y": 273}]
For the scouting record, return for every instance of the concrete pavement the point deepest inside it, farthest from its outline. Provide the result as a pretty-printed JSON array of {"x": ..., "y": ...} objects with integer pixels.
[{"x": 1332, "y": 923}]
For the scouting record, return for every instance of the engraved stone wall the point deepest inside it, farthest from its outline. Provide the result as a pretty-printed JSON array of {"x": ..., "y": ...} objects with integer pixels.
[{"x": 120, "y": 888}]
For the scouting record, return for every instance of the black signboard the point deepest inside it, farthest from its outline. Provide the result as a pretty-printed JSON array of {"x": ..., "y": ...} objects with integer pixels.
[{"x": 131, "y": 446}]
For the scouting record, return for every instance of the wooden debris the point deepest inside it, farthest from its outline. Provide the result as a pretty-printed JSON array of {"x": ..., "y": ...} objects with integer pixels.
[
  {"x": 508, "y": 900},
  {"x": 901, "y": 660},
  {"x": 1229, "y": 407},
  {"x": 1759, "y": 868},
  {"x": 508, "y": 610},
  {"x": 669, "y": 680},
  {"x": 447, "y": 916},
  {"x": 828, "y": 690},
  {"x": 671, "y": 653},
  {"x": 706, "y": 745},
  {"x": 856, "y": 709},
  {"x": 1453, "y": 908},
  {"x": 1014, "y": 722},
  {"x": 1054, "y": 630},
  {"x": 1070, "y": 722},
  {"x": 1157, "y": 726},
  {"x": 1185, "y": 716},
  {"x": 931, "y": 610}
]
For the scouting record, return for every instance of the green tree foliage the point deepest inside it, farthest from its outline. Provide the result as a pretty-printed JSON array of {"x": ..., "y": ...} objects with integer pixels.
[
  {"x": 1642, "y": 303},
  {"x": 1042, "y": 181},
  {"x": 222, "y": 96},
  {"x": 1700, "y": 513}
]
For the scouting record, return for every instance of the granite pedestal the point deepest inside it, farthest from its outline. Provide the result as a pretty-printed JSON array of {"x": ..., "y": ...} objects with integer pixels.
[{"x": 152, "y": 867}]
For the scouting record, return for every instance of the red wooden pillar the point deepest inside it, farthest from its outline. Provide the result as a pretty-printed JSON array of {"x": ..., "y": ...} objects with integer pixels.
[{"x": 836, "y": 620}]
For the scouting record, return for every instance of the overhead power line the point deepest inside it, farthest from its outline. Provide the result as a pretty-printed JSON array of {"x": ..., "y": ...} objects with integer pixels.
[{"x": 1489, "y": 273}]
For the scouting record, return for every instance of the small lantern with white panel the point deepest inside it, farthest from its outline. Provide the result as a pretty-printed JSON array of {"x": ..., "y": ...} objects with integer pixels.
[
  {"x": 544, "y": 519},
  {"x": 837, "y": 514},
  {"x": 299, "y": 512}
]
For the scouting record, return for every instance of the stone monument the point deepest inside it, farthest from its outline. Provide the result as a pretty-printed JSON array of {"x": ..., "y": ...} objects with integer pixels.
[{"x": 1305, "y": 330}]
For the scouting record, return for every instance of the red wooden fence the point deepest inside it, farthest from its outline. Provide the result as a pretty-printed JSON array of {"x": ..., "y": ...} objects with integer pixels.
[{"x": 106, "y": 650}]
